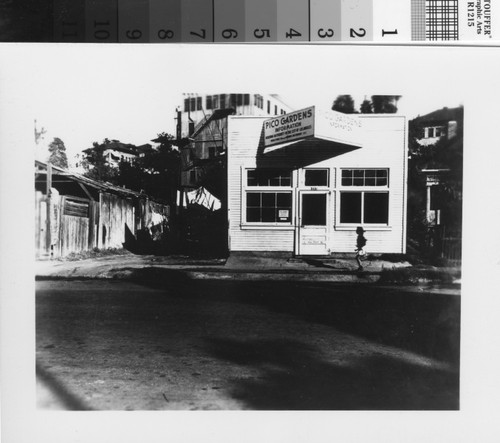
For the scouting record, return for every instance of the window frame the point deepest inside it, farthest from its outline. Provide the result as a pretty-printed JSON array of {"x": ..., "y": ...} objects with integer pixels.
[
  {"x": 353, "y": 186},
  {"x": 246, "y": 189},
  {"x": 363, "y": 190},
  {"x": 329, "y": 176}
]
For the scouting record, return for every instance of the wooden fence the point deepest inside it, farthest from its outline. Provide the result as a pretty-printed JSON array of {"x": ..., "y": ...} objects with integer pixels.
[
  {"x": 451, "y": 249},
  {"x": 67, "y": 224}
]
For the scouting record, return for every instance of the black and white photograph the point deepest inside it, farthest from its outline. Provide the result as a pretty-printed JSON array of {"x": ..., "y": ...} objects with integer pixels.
[{"x": 300, "y": 236}]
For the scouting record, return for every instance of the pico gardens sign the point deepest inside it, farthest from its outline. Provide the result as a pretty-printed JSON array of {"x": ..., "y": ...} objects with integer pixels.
[
  {"x": 310, "y": 123},
  {"x": 289, "y": 127}
]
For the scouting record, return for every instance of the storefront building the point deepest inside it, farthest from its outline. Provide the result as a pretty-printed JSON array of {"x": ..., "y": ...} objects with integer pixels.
[{"x": 304, "y": 181}]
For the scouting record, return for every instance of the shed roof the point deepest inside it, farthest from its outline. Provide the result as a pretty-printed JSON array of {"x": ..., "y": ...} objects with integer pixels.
[{"x": 41, "y": 167}]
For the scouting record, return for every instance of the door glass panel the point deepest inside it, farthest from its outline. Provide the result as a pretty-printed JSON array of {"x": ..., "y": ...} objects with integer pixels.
[{"x": 314, "y": 209}]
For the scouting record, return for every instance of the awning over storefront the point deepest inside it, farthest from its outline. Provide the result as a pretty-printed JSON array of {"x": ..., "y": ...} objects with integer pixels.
[{"x": 308, "y": 136}]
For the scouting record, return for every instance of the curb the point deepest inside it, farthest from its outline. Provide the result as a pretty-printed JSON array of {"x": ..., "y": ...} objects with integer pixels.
[{"x": 407, "y": 276}]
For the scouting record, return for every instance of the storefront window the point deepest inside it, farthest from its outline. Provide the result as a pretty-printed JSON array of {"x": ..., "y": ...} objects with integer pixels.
[
  {"x": 267, "y": 199},
  {"x": 364, "y": 207},
  {"x": 269, "y": 177},
  {"x": 365, "y": 177},
  {"x": 269, "y": 207}
]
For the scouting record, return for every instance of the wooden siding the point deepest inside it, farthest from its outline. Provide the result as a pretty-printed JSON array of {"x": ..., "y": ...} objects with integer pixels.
[
  {"x": 116, "y": 214},
  {"x": 74, "y": 234},
  {"x": 79, "y": 225},
  {"x": 384, "y": 146}
]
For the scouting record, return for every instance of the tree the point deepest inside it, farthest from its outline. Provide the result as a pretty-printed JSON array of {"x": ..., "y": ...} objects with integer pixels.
[
  {"x": 157, "y": 173},
  {"x": 366, "y": 107},
  {"x": 58, "y": 153},
  {"x": 345, "y": 104},
  {"x": 385, "y": 104},
  {"x": 95, "y": 164},
  {"x": 445, "y": 154}
]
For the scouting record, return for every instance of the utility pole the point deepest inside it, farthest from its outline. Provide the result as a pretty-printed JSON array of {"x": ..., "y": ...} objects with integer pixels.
[{"x": 48, "y": 188}]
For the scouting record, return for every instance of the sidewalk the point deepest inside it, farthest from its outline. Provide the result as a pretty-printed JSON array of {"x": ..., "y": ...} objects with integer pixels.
[{"x": 249, "y": 266}]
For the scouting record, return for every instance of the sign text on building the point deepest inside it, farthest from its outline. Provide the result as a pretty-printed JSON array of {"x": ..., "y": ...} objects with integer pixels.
[{"x": 289, "y": 127}]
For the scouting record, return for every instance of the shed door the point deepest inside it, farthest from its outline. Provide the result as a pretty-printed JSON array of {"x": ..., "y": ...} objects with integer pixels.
[{"x": 313, "y": 223}]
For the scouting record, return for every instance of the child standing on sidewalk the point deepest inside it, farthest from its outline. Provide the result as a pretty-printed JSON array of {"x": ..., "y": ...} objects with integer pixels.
[{"x": 360, "y": 244}]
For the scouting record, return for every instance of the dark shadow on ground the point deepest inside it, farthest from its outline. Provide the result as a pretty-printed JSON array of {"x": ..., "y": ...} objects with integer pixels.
[
  {"x": 294, "y": 377},
  {"x": 60, "y": 392},
  {"x": 321, "y": 264},
  {"x": 421, "y": 322}
]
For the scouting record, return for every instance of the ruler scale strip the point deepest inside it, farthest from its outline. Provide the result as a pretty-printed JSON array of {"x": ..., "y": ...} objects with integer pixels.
[{"x": 253, "y": 21}]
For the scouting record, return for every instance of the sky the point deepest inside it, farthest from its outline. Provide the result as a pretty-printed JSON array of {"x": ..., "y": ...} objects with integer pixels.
[{"x": 88, "y": 94}]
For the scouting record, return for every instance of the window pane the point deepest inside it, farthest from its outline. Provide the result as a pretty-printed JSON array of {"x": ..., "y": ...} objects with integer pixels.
[
  {"x": 284, "y": 200},
  {"x": 253, "y": 199},
  {"x": 269, "y": 177},
  {"x": 316, "y": 177},
  {"x": 252, "y": 178},
  {"x": 346, "y": 181},
  {"x": 253, "y": 215},
  {"x": 350, "y": 207},
  {"x": 232, "y": 100},
  {"x": 364, "y": 177},
  {"x": 268, "y": 200},
  {"x": 381, "y": 177},
  {"x": 376, "y": 208},
  {"x": 268, "y": 215},
  {"x": 269, "y": 207},
  {"x": 314, "y": 209},
  {"x": 274, "y": 180}
]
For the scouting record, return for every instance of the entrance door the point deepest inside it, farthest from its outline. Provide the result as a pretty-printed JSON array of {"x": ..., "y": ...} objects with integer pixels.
[{"x": 313, "y": 223}]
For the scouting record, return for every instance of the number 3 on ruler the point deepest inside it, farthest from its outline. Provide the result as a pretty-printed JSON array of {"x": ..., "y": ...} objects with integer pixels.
[{"x": 324, "y": 34}]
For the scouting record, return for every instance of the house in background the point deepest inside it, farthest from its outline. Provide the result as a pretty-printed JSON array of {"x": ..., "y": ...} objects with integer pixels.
[
  {"x": 445, "y": 123},
  {"x": 198, "y": 107},
  {"x": 115, "y": 152},
  {"x": 436, "y": 162}
]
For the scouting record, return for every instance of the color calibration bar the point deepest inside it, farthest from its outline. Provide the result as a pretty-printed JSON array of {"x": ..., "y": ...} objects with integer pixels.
[{"x": 267, "y": 21}]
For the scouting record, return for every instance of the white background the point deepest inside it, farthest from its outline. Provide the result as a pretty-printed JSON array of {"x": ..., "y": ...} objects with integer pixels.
[{"x": 55, "y": 79}]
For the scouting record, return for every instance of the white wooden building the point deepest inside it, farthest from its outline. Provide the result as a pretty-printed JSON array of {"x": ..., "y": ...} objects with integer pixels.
[{"x": 304, "y": 181}]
